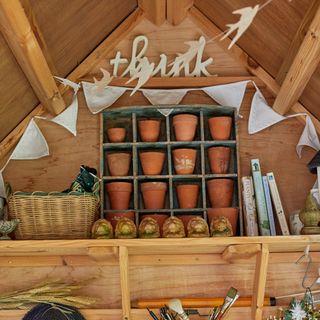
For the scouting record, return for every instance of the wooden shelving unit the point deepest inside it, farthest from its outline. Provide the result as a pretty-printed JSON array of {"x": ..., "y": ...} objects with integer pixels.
[{"x": 140, "y": 252}]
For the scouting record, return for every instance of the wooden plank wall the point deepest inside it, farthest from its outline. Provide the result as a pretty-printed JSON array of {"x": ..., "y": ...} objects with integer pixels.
[
  {"x": 67, "y": 31},
  {"x": 274, "y": 146},
  {"x": 269, "y": 37}
]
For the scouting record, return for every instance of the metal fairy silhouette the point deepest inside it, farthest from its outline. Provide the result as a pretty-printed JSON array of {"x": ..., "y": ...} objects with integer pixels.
[{"x": 247, "y": 15}]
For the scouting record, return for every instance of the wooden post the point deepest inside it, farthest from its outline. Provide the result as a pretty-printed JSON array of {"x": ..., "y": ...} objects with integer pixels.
[
  {"x": 304, "y": 64},
  {"x": 297, "y": 41},
  {"x": 22, "y": 41},
  {"x": 260, "y": 279},
  {"x": 177, "y": 10},
  {"x": 155, "y": 10},
  {"x": 124, "y": 282}
]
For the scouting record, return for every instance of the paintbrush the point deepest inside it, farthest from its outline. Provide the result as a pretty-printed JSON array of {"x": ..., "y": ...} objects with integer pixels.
[
  {"x": 175, "y": 305},
  {"x": 232, "y": 293},
  {"x": 152, "y": 314},
  {"x": 229, "y": 306}
]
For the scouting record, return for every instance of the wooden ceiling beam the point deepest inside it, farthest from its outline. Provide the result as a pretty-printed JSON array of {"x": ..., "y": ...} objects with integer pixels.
[
  {"x": 211, "y": 30},
  {"x": 177, "y": 10},
  {"x": 154, "y": 10},
  {"x": 81, "y": 71},
  {"x": 303, "y": 66},
  {"x": 22, "y": 41},
  {"x": 297, "y": 41}
]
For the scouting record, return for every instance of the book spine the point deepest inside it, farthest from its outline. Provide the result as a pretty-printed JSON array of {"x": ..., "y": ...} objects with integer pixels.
[
  {"x": 262, "y": 212},
  {"x": 269, "y": 206},
  {"x": 249, "y": 207},
  {"x": 277, "y": 204}
]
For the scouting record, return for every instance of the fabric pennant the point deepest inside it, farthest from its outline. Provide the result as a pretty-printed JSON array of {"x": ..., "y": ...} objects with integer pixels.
[
  {"x": 309, "y": 137},
  {"x": 164, "y": 96},
  {"x": 32, "y": 144},
  {"x": 261, "y": 115},
  {"x": 230, "y": 94},
  {"x": 102, "y": 99},
  {"x": 68, "y": 118}
]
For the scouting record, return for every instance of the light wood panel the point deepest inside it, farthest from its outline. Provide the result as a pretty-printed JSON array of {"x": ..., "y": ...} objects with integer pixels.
[
  {"x": 155, "y": 10},
  {"x": 23, "y": 43},
  {"x": 297, "y": 41},
  {"x": 302, "y": 68},
  {"x": 177, "y": 10},
  {"x": 17, "y": 98},
  {"x": 72, "y": 29}
]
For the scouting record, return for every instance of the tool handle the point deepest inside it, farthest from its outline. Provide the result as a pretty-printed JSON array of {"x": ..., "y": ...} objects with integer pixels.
[{"x": 200, "y": 302}]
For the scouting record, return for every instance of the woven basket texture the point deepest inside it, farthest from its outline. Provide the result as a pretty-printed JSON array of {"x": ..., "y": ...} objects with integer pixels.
[{"x": 53, "y": 215}]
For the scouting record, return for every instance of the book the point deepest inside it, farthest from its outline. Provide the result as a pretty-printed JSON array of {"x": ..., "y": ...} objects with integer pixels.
[
  {"x": 277, "y": 204},
  {"x": 249, "y": 207},
  {"x": 262, "y": 211},
  {"x": 269, "y": 206}
]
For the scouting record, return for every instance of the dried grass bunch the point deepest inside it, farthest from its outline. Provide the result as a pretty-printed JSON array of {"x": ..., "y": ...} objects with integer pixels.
[{"x": 46, "y": 293}]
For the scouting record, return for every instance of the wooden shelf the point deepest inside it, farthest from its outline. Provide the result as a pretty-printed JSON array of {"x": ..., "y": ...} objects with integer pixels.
[{"x": 259, "y": 251}]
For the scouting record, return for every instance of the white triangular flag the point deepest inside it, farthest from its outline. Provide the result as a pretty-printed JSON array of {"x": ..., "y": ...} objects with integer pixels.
[
  {"x": 228, "y": 94},
  {"x": 261, "y": 115},
  {"x": 32, "y": 144},
  {"x": 97, "y": 101},
  {"x": 309, "y": 137},
  {"x": 68, "y": 118},
  {"x": 164, "y": 96},
  {"x": 2, "y": 187}
]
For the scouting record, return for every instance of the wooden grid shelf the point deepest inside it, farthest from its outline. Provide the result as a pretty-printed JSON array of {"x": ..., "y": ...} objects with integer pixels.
[{"x": 129, "y": 117}]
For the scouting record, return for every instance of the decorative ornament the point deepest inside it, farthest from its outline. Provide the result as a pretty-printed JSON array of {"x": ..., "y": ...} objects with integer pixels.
[
  {"x": 173, "y": 228},
  {"x": 6, "y": 227},
  {"x": 149, "y": 228},
  {"x": 198, "y": 228},
  {"x": 125, "y": 229},
  {"x": 102, "y": 229}
]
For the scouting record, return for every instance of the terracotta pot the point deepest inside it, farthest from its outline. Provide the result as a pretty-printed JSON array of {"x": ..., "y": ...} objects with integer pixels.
[
  {"x": 184, "y": 160},
  {"x": 116, "y": 134},
  {"x": 219, "y": 159},
  {"x": 220, "y": 192},
  {"x": 220, "y": 127},
  {"x": 185, "y": 219},
  {"x": 230, "y": 213},
  {"x": 185, "y": 126},
  {"x": 187, "y": 195},
  {"x": 119, "y": 194},
  {"x": 149, "y": 130},
  {"x": 152, "y": 162},
  {"x": 154, "y": 194},
  {"x": 114, "y": 217},
  {"x": 160, "y": 218},
  {"x": 119, "y": 163}
]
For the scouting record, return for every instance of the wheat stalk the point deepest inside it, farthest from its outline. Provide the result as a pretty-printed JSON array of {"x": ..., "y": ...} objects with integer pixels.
[{"x": 51, "y": 293}]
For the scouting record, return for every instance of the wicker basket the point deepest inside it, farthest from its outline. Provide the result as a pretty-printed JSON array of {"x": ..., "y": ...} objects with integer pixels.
[{"x": 53, "y": 215}]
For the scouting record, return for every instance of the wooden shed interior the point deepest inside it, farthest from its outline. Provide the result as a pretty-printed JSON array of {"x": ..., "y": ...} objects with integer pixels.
[{"x": 73, "y": 39}]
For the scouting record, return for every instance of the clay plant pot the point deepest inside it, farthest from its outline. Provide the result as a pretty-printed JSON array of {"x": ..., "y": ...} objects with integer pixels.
[
  {"x": 184, "y": 160},
  {"x": 116, "y": 134},
  {"x": 185, "y": 126},
  {"x": 187, "y": 195},
  {"x": 160, "y": 218},
  {"x": 154, "y": 194},
  {"x": 220, "y": 192},
  {"x": 230, "y": 213},
  {"x": 185, "y": 219},
  {"x": 152, "y": 162},
  {"x": 220, "y": 127},
  {"x": 119, "y": 163},
  {"x": 119, "y": 195},
  {"x": 219, "y": 159},
  {"x": 114, "y": 217},
  {"x": 149, "y": 130}
]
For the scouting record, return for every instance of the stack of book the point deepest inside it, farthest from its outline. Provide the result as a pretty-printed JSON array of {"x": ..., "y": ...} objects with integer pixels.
[{"x": 261, "y": 201}]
